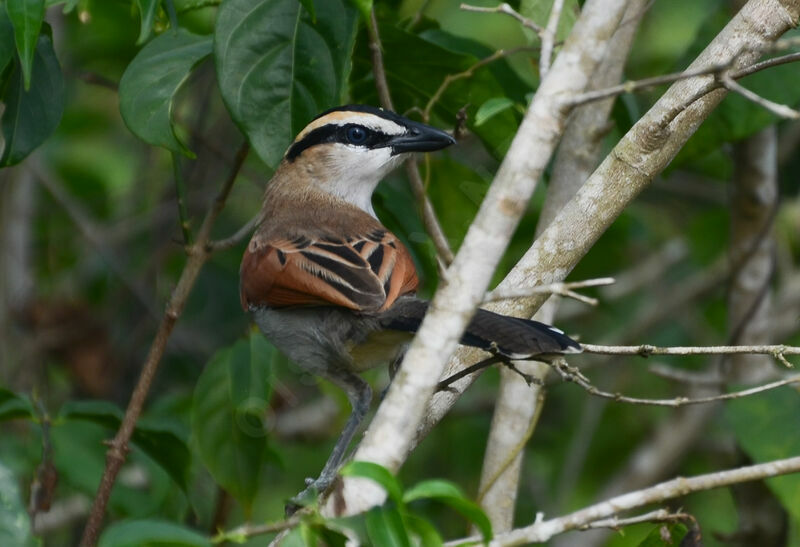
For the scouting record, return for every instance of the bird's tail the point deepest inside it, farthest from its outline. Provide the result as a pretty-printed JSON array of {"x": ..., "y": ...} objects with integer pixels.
[{"x": 510, "y": 337}]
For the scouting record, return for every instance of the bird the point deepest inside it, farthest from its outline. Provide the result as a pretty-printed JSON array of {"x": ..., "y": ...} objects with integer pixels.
[{"x": 330, "y": 286}]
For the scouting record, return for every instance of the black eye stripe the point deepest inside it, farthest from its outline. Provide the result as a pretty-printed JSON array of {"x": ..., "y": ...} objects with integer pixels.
[{"x": 337, "y": 133}]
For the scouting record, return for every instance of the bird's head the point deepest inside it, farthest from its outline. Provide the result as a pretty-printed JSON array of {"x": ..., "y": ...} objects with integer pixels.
[{"x": 347, "y": 150}]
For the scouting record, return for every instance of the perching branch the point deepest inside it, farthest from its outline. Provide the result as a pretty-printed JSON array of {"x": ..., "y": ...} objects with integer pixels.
[
  {"x": 572, "y": 374},
  {"x": 562, "y": 289},
  {"x": 681, "y": 486},
  {"x": 395, "y": 424},
  {"x": 197, "y": 255},
  {"x": 507, "y": 10}
]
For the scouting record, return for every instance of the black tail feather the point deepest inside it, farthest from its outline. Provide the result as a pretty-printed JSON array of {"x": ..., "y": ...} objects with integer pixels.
[{"x": 511, "y": 337}]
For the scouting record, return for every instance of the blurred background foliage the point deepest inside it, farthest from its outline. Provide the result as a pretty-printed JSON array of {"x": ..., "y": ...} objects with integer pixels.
[{"x": 231, "y": 428}]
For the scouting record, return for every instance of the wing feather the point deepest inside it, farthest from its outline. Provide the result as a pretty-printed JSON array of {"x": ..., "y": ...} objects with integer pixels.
[{"x": 364, "y": 272}]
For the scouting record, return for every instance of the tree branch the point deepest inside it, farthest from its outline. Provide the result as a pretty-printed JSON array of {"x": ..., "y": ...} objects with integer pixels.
[{"x": 197, "y": 255}]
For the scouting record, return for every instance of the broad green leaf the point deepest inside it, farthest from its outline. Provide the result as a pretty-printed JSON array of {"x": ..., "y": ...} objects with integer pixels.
[
  {"x": 6, "y": 44},
  {"x": 147, "y": 13},
  {"x": 665, "y": 534},
  {"x": 148, "y": 87},
  {"x": 228, "y": 411},
  {"x": 14, "y": 406},
  {"x": 26, "y": 16},
  {"x": 385, "y": 527},
  {"x": 449, "y": 494},
  {"x": 151, "y": 533},
  {"x": 309, "y": 6},
  {"x": 277, "y": 69},
  {"x": 377, "y": 473},
  {"x": 364, "y": 6},
  {"x": 15, "y": 524},
  {"x": 490, "y": 108},
  {"x": 760, "y": 424},
  {"x": 159, "y": 442},
  {"x": 424, "y": 530},
  {"x": 31, "y": 116}
]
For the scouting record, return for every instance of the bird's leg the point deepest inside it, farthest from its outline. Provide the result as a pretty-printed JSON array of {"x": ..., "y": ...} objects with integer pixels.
[
  {"x": 360, "y": 395},
  {"x": 489, "y": 361}
]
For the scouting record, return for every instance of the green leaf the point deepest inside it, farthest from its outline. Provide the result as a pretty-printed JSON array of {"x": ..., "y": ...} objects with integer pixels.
[
  {"x": 14, "y": 406},
  {"x": 230, "y": 403},
  {"x": 377, "y": 473},
  {"x": 364, "y": 6},
  {"x": 424, "y": 530},
  {"x": 493, "y": 106},
  {"x": 760, "y": 424},
  {"x": 449, "y": 494},
  {"x": 385, "y": 527},
  {"x": 31, "y": 116},
  {"x": 6, "y": 43},
  {"x": 26, "y": 17},
  {"x": 665, "y": 534},
  {"x": 158, "y": 441},
  {"x": 15, "y": 524},
  {"x": 148, "y": 87},
  {"x": 151, "y": 533},
  {"x": 278, "y": 70},
  {"x": 309, "y": 6},
  {"x": 147, "y": 12}
]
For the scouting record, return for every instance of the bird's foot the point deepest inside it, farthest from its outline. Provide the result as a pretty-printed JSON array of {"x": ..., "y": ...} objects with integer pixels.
[{"x": 309, "y": 495}]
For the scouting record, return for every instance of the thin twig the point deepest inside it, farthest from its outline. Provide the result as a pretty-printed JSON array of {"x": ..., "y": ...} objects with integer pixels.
[
  {"x": 778, "y": 109},
  {"x": 180, "y": 192},
  {"x": 549, "y": 37},
  {"x": 572, "y": 374},
  {"x": 468, "y": 73},
  {"x": 635, "y": 85},
  {"x": 429, "y": 220},
  {"x": 564, "y": 289},
  {"x": 507, "y": 10},
  {"x": 646, "y": 350},
  {"x": 118, "y": 447},
  {"x": 242, "y": 533},
  {"x": 543, "y": 530},
  {"x": 615, "y": 523},
  {"x": 236, "y": 238}
]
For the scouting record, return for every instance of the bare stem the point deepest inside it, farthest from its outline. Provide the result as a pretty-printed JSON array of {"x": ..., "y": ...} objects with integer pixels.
[
  {"x": 431, "y": 223},
  {"x": 118, "y": 447},
  {"x": 566, "y": 289},
  {"x": 646, "y": 350},
  {"x": 507, "y": 10},
  {"x": 180, "y": 191},
  {"x": 549, "y": 37},
  {"x": 778, "y": 109}
]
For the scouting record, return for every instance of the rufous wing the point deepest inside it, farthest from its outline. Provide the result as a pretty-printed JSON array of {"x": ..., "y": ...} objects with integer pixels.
[{"x": 363, "y": 273}]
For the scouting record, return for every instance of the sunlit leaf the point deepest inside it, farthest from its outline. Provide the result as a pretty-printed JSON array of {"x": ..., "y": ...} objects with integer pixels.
[
  {"x": 449, "y": 494},
  {"x": 385, "y": 527},
  {"x": 151, "y": 533},
  {"x": 228, "y": 412},
  {"x": 26, "y": 17},
  {"x": 31, "y": 116},
  {"x": 364, "y": 6},
  {"x": 377, "y": 473},
  {"x": 424, "y": 530},
  {"x": 148, "y": 87},
  {"x": 277, "y": 69},
  {"x": 159, "y": 442},
  {"x": 491, "y": 107}
]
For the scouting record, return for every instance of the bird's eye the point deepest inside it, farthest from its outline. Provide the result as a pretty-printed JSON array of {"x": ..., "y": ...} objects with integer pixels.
[{"x": 356, "y": 134}]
